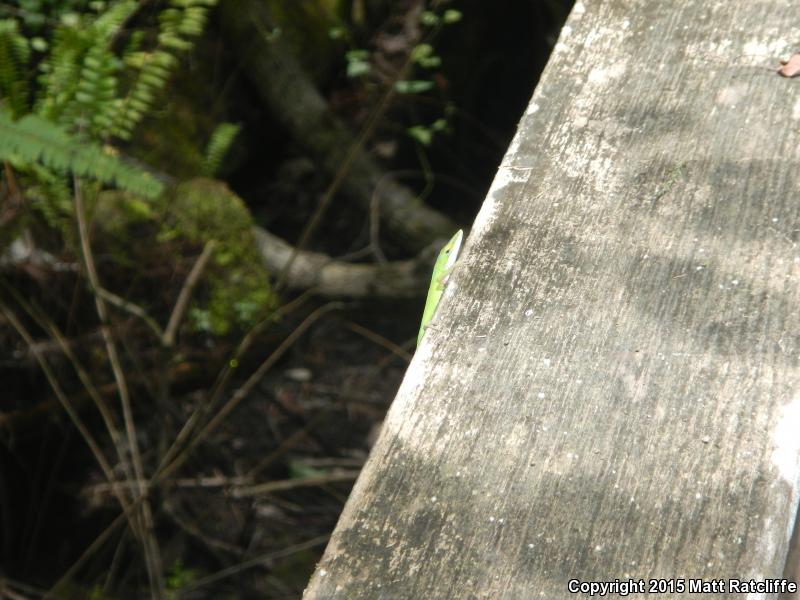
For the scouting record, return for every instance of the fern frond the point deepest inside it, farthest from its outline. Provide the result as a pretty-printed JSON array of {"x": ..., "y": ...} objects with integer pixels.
[
  {"x": 14, "y": 56},
  {"x": 60, "y": 71},
  {"x": 33, "y": 139},
  {"x": 181, "y": 21},
  {"x": 87, "y": 85},
  {"x": 218, "y": 145},
  {"x": 80, "y": 78}
]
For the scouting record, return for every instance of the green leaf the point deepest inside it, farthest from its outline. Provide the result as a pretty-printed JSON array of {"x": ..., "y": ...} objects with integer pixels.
[
  {"x": 424, "y": 56},
  {"x": 273, "y": 35},
  {"x": 429, "y": 18},
  {"x": 431, "y": 62},
  {"x": 421, "y": 133},
  {"x": 357, "y": 63},
  {"x": 39, "y": 44},
  {"x": 298, "y": 470},
  {"x": 357, "y": 68},
  {"x": 421, "y": 51},
  {"x": 416, "y": 86},
  {"x": 357, "y": 55},
  {"x": 451, "y": 15},
  {"x": 70, "y": 19}
]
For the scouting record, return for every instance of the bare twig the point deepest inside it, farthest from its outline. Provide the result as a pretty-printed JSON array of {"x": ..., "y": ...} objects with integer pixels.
[
  {"x": 11, "y": 594},
  {"x": 186, "y": 292},
  {"x": 132, "y": 308},
  {"x": 380, "y": 340},
  {"x": 225, "y": 374},
  {"x": 102, "y": 406},
  {"x": 241, "y": 486},
  {"x": 6, "y": 584},
  {"x": 168, "y": 339},
  {"x": 99, "y": 401},
  {"x": 289, "y": 484},
  {"x": 67, "y": 405},
  {"x": 216, "y": 481},
  {"x": 116, "y": 561},
  {"x": 197, "y": 533},
  {"x": 166, "y": 469},
  {"x": 248, "y": 385},
  {"x": 338, "y": 278},
  {"x": 92, "y": 548},
  {"x": 167, "y": 336},
  {"x": 286, "y": 445},
  {"x": 150, "y": 544},
  {"x": 253, "y": 562}
]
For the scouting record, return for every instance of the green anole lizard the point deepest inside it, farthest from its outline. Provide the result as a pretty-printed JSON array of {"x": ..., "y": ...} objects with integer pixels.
[{"x": 441, "y": 270}]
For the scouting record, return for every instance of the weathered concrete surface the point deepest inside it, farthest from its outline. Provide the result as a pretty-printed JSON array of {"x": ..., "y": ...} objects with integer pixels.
[{"x": 611, "y": 388}]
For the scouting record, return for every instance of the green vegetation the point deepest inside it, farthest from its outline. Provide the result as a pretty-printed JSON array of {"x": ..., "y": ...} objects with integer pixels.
[
  {"x": 63, "y": 101},
  {"x": 422, "y": 58},
  {"x": 92, "y": 83},
  {"x": 33, "y": 140},
  {"x": 76, "y": 81},
  {"x": 221, "y": 139},
  {"x": 186, "y": 406},
  {"x": 237, "y": 291}
]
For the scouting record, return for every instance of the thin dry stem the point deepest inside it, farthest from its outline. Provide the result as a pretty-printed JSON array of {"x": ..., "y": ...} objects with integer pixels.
[
  {"x": 248, "y": 385},
  {"x": 92, "y": 548},
  {"x": 269, "y": 487},
  {"x": 168, "y": 468},
  {"x": 186, "y": 293},
  {"x": 285, "y": 446},
  {"x": 380, "y": 340},
  {"x": 225, "y": 374},
  {"x": 150, "y": 544},
  {"x": 132, "y": 308},
  {"x": 102, "y": 406},
  {"x": 255, "y": 562},
  {"x": 67, "y": 405}
]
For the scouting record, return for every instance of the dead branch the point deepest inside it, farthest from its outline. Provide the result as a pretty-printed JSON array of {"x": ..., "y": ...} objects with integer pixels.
[{"x": 334, "y": 278}]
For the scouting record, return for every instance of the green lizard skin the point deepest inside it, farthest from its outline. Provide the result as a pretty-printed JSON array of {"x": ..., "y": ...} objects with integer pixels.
[{"x": 441, "y": 270}]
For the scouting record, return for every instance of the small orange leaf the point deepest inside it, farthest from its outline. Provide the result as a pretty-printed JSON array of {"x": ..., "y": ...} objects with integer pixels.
[{"x": 791, "y": 67}]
